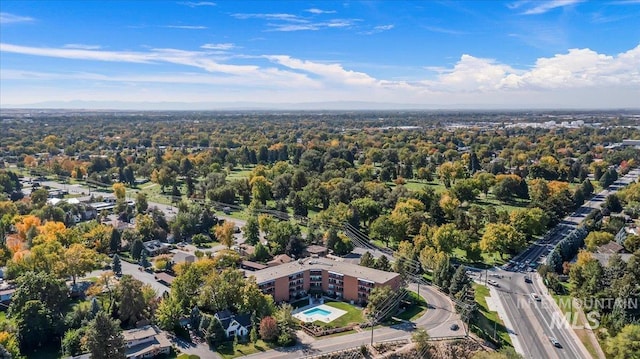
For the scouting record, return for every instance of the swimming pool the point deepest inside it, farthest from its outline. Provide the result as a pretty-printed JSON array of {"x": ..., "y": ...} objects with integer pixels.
[
  {"x": 316, "y": 311},
  {"x": 323, "y": 313}
]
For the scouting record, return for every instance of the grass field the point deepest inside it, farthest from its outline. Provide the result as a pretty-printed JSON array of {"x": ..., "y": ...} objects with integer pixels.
[
  {"x": 415, "y": 310},
  {"x": 488, "y": 320},
  {"x": 188, "y": 356},
  {"x": 227, "y": 351},
  {"x": 353, "y": 315}
]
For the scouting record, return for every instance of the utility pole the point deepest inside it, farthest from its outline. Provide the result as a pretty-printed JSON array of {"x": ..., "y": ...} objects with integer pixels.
[{"x": 371, "y": 332}]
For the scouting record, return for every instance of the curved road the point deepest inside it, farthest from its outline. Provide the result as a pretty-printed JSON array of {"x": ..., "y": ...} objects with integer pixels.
[{"x": 437, "y": 321}]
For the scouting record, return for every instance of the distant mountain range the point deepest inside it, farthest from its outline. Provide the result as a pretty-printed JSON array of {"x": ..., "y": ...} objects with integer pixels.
[{"x": 258, "y": 106}]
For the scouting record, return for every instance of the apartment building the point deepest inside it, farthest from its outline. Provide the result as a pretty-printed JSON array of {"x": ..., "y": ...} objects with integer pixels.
[{"x": 323, "y": 276}]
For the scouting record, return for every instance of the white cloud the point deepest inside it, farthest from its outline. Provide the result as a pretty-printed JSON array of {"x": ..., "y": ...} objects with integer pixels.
[
  {"x": 274, "y": 16},
  {"x": 197, "y": 3},
  {"x": 332, "y": 72},
  {"x": 187, "y": 27},
  {"x": 7, "y": 18},
  {"x": 320, "y": 11},
  {"x": 82, "y": 46},
  {"x": 542, "y": 7},
  {"x": 579, "y": 68},
  {"x": 378, "y": 29},
  {"x": 223, "y": 46},
  {"x": 577, "y": 78}
]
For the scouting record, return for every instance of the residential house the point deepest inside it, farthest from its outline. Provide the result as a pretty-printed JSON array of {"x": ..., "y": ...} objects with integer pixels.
[
  {"x": 145, "y": 342},
  {"x": 183, "y": 257},
  {"x": 238, "y": 324},
  {"x": 155, "y": 247}
]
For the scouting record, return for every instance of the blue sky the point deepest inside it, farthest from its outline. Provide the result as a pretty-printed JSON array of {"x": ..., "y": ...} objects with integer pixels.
[{"x": 482, "y": 54}]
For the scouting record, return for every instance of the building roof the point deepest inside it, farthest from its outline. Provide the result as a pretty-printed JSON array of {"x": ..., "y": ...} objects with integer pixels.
[
  {"x": 346, "y": 268},
  {"x": 181, "y": 257},
  {"x": 139, "y": 333},
  {"x": 155, "y": 245},
  {"x": 226, "y": 317},
  {"x": 316, "y": 249},
  {"x": 279, "y": 259},
  {"x": 165, "y": 277},
  {"x": 611, "y": 247},
  {"x": 253, "y": 265}
]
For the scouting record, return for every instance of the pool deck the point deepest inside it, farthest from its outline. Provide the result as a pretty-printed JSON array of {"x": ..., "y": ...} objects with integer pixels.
[{"x": 334, "y": 313}]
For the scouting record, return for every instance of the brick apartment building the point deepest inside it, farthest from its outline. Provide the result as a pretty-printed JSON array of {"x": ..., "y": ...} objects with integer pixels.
[{"x": 318, "y": 276}]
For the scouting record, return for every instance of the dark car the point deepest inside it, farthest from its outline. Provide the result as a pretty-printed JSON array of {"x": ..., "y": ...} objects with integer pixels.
[{"x": 454, "y": 326}]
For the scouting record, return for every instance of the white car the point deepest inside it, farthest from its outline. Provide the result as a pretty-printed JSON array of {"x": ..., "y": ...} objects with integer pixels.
[{"x": 536, "y": 297}]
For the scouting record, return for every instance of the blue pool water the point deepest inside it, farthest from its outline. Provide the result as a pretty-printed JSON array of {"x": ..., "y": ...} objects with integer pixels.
[{"x": 318, "y": 311}]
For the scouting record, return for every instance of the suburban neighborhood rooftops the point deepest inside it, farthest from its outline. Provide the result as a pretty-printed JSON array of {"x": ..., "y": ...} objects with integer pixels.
[
  {"x": 139, "y": 333},
  {"x": 352, "y": 270}
]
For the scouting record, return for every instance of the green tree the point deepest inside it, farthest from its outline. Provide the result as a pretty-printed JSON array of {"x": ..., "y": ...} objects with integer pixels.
[
  {"x": 72, "y": 342},
  {"x": 625, "y": 345},
  {"x": 253, "y": 335},
  {"x": 367, "y": 260},
  {"x": 377, "y": 307},
  {"x": 596, "y": 239},
  {"x": 261, "y": 253},
  {"x": 141, "y": 202},
  {"x": 78, "y": 260},
  {"x": 460, "y": 281},
  {"x": 46, "y": 288},
  {"x": 168, "y": 313},
  {"x": 382, "y": 263},
  {"x": 252, "y": 231},
  {"x": 368, "y": 209},
  {"x": 612, "y": 203},
  {"x": 35, "y": 324},
  {"x": 136, "y": 248},
  {"x": 104, "y": 338},
  {"x": 446, "y": 238},
  {"x": 501, "y": 238},
  {"x": 131, "y": 303},
  {"x": 115, "y": 241}
]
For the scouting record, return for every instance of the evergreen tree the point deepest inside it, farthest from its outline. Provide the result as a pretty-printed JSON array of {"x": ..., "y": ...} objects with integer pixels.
[
  {"x": 104, "y": 338},
  {"x": 115, "y": 241},
  {"x": 116, "y": 265},
  {"x": 382, "y": 263},
  {"x": 367, "y": 260},
  {"x": 459, "y": 281},
  {"x": 215, "y": 332},
  {"x": 136, "y": 248}
]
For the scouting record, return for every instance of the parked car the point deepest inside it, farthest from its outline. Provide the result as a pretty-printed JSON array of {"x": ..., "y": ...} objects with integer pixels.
[{"x": 454, "y": 326}]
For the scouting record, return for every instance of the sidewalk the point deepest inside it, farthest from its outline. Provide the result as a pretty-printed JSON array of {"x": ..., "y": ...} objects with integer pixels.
[{"x": 494, "y": 304}]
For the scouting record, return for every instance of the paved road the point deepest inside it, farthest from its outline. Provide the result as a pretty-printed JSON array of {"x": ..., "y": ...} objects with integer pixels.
[
  {"x": 437, "y": 321},
  {"x": 534, "y": 322}
]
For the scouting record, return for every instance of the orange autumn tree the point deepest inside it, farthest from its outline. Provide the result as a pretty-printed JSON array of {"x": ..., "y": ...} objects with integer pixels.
[{"x": 25, "y": 223}]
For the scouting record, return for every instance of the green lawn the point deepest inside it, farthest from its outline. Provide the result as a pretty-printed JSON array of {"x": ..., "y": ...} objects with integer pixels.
[
  {"x": 352, "y": 315},
  {"x": 239, "y": 174},
  {"x": 188, "y": 356},
  {"x": 417, "y": 308},
  {"x": 227, "y": 351},
  {"x": 488, "y": 320}
]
